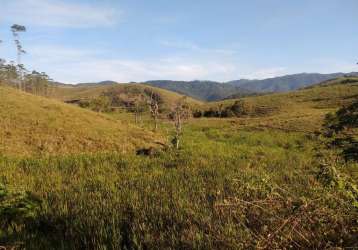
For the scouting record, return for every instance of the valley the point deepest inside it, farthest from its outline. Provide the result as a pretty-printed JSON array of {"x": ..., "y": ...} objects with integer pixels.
[
  {"x": 261, "y": 178},
  {"x": 178, "y": 125}
]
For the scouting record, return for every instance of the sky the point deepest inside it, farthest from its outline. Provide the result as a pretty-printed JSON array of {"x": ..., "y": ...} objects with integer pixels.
[{"x": 137, "y": 40}]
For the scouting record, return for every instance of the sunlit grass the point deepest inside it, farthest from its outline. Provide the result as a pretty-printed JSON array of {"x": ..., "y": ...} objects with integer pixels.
[{"x": 237, "y": 183}]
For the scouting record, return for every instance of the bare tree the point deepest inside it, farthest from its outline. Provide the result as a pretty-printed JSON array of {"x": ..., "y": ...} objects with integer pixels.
[
  {"x": 154, "y": 109},
  {"x": 16, "y": 29},
  {"x": 220, "y": 110},
  {"x": 180, "y": 113},
  {"x": 139, "y": 107}
]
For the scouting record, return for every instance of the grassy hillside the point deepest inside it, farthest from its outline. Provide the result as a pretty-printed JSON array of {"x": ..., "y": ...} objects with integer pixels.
[
  {"x": 301, "y": 110},
  {"x": 36, "y": 125},
  {"x": 123, "y": 91},
  {"x": 260, "y": 181}
]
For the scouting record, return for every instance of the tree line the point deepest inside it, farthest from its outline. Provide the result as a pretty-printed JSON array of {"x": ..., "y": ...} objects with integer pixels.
[{"x": 14, "y": 73}]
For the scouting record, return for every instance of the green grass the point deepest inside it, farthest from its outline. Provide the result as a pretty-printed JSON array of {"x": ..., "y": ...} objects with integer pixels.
[
  {"x": 226, "y": 188},
  {"x": 241, "y": 183},
  {"x": 302, "y": 110}
]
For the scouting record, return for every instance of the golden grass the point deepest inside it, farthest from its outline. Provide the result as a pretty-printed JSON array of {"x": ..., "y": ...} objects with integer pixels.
[
  {"x": 301, "y": 110},
  {"x": 36, "y": 125},
  {"x": 67, "y": 93}
]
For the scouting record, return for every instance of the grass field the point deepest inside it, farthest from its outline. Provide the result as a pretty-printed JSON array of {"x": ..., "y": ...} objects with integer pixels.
[
  {"x": 32, "y": 125},
  {"x": 255, "y": 182},
  {"x": 301, "y": 110}
]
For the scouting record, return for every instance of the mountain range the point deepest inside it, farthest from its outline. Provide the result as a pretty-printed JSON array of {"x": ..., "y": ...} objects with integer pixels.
[{"x": 214, "y": 91}]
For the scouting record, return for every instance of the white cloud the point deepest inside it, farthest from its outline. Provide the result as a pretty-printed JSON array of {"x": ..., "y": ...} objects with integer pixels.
[
  {"x": 59, "y": 54},
  {"x": 73, "y": 65},
  {"x": 56, "y": 13},
  {"x": 266, "y": 73},
  {"x": 185, "y": 45},
  {"x": 329, "y": 65},
  {"x": 124, "y": 70}
]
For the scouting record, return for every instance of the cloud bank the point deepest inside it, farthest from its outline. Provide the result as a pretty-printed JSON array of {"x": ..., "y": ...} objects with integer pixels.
[{"x": 55, "y": 13}]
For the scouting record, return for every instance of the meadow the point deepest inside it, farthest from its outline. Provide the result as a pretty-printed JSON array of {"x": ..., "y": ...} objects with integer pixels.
[
  {"x": 235, "y": 183},
  {"x": 227, "y": 188}
]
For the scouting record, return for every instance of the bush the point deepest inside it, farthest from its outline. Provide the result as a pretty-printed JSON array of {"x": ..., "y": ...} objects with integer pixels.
[{"x": 341, "y": 130}]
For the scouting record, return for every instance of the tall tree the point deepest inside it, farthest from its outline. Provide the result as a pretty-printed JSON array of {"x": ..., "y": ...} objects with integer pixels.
[{"x": 16, "y": 29}]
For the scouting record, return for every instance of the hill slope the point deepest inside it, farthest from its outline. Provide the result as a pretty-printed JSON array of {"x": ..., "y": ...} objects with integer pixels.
[
  {"x": 301, "y": 110},
  {"x": 36, "y": 125},
  {"x": 123, "y": 92}
]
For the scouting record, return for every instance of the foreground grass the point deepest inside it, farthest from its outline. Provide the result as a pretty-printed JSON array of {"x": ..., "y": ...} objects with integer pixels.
[{"x": 227, "y": 188}]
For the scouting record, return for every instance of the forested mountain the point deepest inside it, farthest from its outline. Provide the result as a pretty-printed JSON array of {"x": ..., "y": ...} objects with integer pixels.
[
  {"x": 211, "y": 91},
  {"x": 203, "y": 90},
  {"x": 286, "y": 83}
]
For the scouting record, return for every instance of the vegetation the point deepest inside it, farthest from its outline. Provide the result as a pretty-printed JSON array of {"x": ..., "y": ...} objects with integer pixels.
[
  {"x": 179, "y": 114},
  {"x": 341, "y": 129},
  {"x": 215, "y": 91},
  {"x": 227, "y": 187},
  {"x": 33, "y": 125},
  {"x": 16, "y": 75},
  {"x": 121, "y": 95},
  {"x": 201, "y": 90},
  {"x": 257, "y": 174}
]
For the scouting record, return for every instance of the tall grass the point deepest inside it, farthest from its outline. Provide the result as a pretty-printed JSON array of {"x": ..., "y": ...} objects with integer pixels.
[{"x": 225, "y": 189}]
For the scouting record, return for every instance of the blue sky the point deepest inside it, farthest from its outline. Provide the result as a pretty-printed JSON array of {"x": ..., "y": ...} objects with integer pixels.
[{"x": 137, "y": 40}]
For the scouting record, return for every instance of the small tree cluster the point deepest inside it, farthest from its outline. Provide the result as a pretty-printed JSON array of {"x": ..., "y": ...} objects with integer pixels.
[
  {"x": 99, "y": 104},
  {"x": 37, "y": 83},
  {"x": 15, "y": 74},
  {"x": 33, "y": 82},
  {"x": 238, "y": 109}
]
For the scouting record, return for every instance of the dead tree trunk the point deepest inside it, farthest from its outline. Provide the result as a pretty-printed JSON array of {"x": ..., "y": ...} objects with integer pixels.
[{"x": 154, "y": 110}]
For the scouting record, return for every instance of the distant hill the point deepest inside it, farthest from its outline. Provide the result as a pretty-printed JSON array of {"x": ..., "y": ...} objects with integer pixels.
[
  {"x": 300, "y": 110},
  {"x": 107, "y": 82},
  {"x": 286, "y": 83},
  {"x": 120, "y": 94},
  {"x": 202, "y": 90},
  {"x": 213, "y": 91}
]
